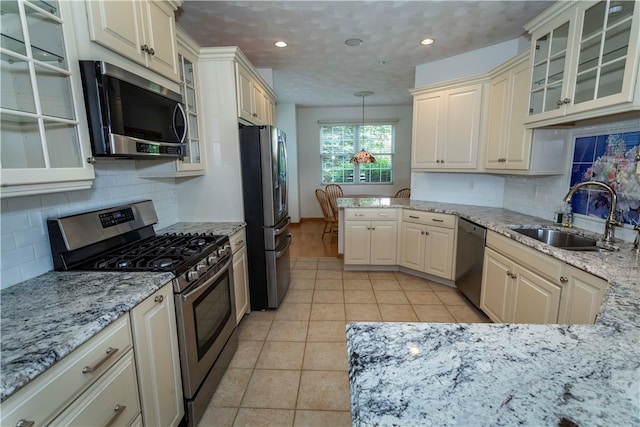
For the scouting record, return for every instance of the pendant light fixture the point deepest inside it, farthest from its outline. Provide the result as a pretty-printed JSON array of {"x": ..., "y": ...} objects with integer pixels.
[{"x": 363, "y": 156}]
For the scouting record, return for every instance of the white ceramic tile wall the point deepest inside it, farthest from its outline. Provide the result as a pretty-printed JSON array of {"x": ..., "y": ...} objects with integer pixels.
[
  {"x": 470, "y": 189},
  {"x": 24, "y": 239}
]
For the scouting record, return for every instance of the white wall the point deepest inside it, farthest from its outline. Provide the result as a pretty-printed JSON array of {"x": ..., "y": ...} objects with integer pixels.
[
  {"x": 470, "y": 63},
  {"x": 25, "y": 240},
  {"x": 286, "y": 119},
  {"x": 309, "y": 167},
  {"x": 465, "y": 188}
]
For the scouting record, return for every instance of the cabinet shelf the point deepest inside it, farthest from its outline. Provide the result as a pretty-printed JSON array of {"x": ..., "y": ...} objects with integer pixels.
[
  {"x": 11, "y": 7},
  {"x": 18, "y": 46}
]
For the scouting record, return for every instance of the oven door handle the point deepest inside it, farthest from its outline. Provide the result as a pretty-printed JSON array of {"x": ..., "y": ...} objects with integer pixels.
[
  {"x": 279, "y": 253},
  {"x": 222, "y": 271}
]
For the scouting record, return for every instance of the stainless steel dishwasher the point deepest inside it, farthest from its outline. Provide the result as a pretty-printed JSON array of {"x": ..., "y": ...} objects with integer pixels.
[{"x": 469, "y": 259}]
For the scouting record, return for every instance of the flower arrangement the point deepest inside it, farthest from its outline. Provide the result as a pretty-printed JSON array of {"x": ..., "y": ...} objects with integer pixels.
[{"x": 362, "y": 156}]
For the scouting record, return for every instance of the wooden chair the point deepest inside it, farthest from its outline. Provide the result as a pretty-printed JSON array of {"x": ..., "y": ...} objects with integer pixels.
[
  {"x": 404, "y": 193},
  {"x": 333, "y": 192},
  {"x": 330, "y": 221}
]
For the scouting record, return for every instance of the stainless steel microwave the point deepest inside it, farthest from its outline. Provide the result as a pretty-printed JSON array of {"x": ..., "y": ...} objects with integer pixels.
[{"x": 131, "y": 117}]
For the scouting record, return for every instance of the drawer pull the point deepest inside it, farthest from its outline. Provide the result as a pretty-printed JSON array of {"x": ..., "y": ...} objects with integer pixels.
[
  {"x": 563, "y": 279},
  {"x": 382, "y": 214},
  {"x": 159, "y": 298},
  {"x": 110, "y": 351},
  {"x": 437, "y": 220},
  {"x": 414, "y": 217},
  {"x": 358, "y": 214},
  {"x": 118, "y": 409},
  {"x": 25, "y": 423}
]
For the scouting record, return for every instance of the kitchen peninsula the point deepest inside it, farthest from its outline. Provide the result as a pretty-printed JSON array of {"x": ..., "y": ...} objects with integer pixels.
[{"x": 503, "y": 374}]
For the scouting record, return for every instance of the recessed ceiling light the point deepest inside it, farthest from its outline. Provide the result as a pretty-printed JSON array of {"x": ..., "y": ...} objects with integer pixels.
[
  {"x": 353, "y": 42},
  {"x": 280, "y": 44},
  {"x": 427, "y": 41},
  {"x": 382, "y": 62}
]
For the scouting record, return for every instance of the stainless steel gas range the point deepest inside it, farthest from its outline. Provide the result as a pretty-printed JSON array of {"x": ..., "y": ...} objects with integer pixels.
[{"x": 122, "y": 238}]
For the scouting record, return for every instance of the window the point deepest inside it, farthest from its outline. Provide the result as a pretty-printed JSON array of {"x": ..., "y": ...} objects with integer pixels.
[{"x": 338, "y": 142}]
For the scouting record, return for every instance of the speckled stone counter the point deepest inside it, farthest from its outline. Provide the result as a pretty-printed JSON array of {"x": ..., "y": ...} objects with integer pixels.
[
  {"x": 45, "y": 318},
  {"x": 49, "y": 316},
  {"x": 491, "y": 374}
]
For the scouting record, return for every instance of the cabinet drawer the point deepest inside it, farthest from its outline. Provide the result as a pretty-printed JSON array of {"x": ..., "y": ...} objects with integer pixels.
[
  {"x": 431, "y": 218},
  {"x": 543, "y": 264},
  {"x": 51, "y": 392},
  {"x": 366, "y": 214},
  {"x": 238, "y": 240},
  {"x": 112, "y": 400}
]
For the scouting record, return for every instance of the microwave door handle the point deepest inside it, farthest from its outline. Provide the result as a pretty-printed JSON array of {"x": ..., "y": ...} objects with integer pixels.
[{"x": 179, "y": 108}]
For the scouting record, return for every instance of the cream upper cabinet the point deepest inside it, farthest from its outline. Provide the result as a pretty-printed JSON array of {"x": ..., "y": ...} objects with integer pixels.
[
  {"x": 508, "y": 143},
  {"x": 155, "y": 342},
  {"x": 584, "y": 61},
  {"x": 427, "y": 242},
  {"x": 255, "y": 105},
  {"x": 446, "y": 126},
  {"x": 194, "y": 163},
  {"x": 45, "y": 141},
  {"x": 370, "y": 237},
  {"x": 141, "y": 30}
]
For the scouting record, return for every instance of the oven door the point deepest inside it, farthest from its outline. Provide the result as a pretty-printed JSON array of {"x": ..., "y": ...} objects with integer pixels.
[{"x": 206, "y": 319}]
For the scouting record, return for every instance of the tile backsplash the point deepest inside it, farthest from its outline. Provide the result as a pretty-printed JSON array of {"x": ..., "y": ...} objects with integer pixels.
[
  {"x": 609, "y": 158},
  {"x": 25, "y": 241}
]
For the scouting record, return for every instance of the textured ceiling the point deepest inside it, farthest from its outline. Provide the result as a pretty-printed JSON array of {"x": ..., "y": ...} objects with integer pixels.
[{"x": 318, "y": 69}]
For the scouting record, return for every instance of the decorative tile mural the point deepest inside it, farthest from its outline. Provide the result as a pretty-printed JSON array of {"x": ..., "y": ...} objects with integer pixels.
[{"x": 610, "y": 159}]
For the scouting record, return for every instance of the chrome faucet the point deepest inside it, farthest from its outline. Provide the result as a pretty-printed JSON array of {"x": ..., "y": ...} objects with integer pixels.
[{"x": 611, "y": 221}]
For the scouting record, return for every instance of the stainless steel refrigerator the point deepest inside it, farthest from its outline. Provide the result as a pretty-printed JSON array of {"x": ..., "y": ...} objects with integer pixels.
[{"x": 263, "y": 154}]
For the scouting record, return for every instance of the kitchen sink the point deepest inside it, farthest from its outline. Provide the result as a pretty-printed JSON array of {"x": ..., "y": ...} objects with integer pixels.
[{"x": 560, "y": 239}]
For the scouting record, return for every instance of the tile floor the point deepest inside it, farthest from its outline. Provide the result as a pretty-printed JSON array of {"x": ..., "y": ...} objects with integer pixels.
[{"x": 291, "y": 365}]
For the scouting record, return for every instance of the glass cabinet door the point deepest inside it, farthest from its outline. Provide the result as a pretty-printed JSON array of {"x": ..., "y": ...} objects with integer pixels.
[
  {"x": 548, "y": 72},
  {"x": 188, "y": 89},
  {"x": 603, "y": 52},
  {"x": 39, "y": 127}
]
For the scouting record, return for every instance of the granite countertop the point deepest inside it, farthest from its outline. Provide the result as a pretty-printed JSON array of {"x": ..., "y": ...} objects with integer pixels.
[
  {"x": 503, "y": 374},
  {"x": 45, "y": 318}
]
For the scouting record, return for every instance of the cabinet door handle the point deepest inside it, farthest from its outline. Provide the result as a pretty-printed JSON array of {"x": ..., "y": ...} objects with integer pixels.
[
  {"x": 563, "y": 279},
  {"x": 118, "y": 409},
  {"x": 373, "y": 228},
  {"x": 110, "y": 351},
  {"x": 426, "y": 233},
  {"x": 25, "y": 423},
  {"x": 566, "y": 101},
  {"x": 437, "y": 220},
  {"x": 145, "y": 48},
  {"x": 151, "y": 51},
  {"x": 159, "y": 298},
  {"x": 560, "y": 103}
]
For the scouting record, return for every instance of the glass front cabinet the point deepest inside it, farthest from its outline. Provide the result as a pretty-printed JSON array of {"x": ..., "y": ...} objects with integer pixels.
[
  {"x": 584, "y": 60},
  {"x": 44, "y": 145}
]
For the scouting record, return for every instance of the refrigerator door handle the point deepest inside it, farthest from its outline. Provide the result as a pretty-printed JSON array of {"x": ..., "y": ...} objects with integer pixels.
[
  {"x": 279, "y": 253},
  {"x": 281, "y": 230}
]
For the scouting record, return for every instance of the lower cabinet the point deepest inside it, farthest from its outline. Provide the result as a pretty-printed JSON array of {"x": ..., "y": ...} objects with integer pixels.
[
  {"x": 522, "y": 285},
  {"x": 370, "y": 237},
  {"x": 427, "y": 242},
  {"x": 514, "y": 294},
  {"x": 155, "y": 342},
  {"x": 582, "y": 298},
  {"x": 112, "y": 400},
  {"x": 240, "y": 273},
  {"x": 73, "y": 378}
]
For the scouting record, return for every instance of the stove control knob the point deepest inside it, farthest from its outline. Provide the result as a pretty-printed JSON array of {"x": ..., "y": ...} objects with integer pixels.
[
  {"x": 200, "y": 267},
  {"x": 212, "y": 259},
  {"x": 192, "y": 275},
  {"x": 221, "y": 252}
]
